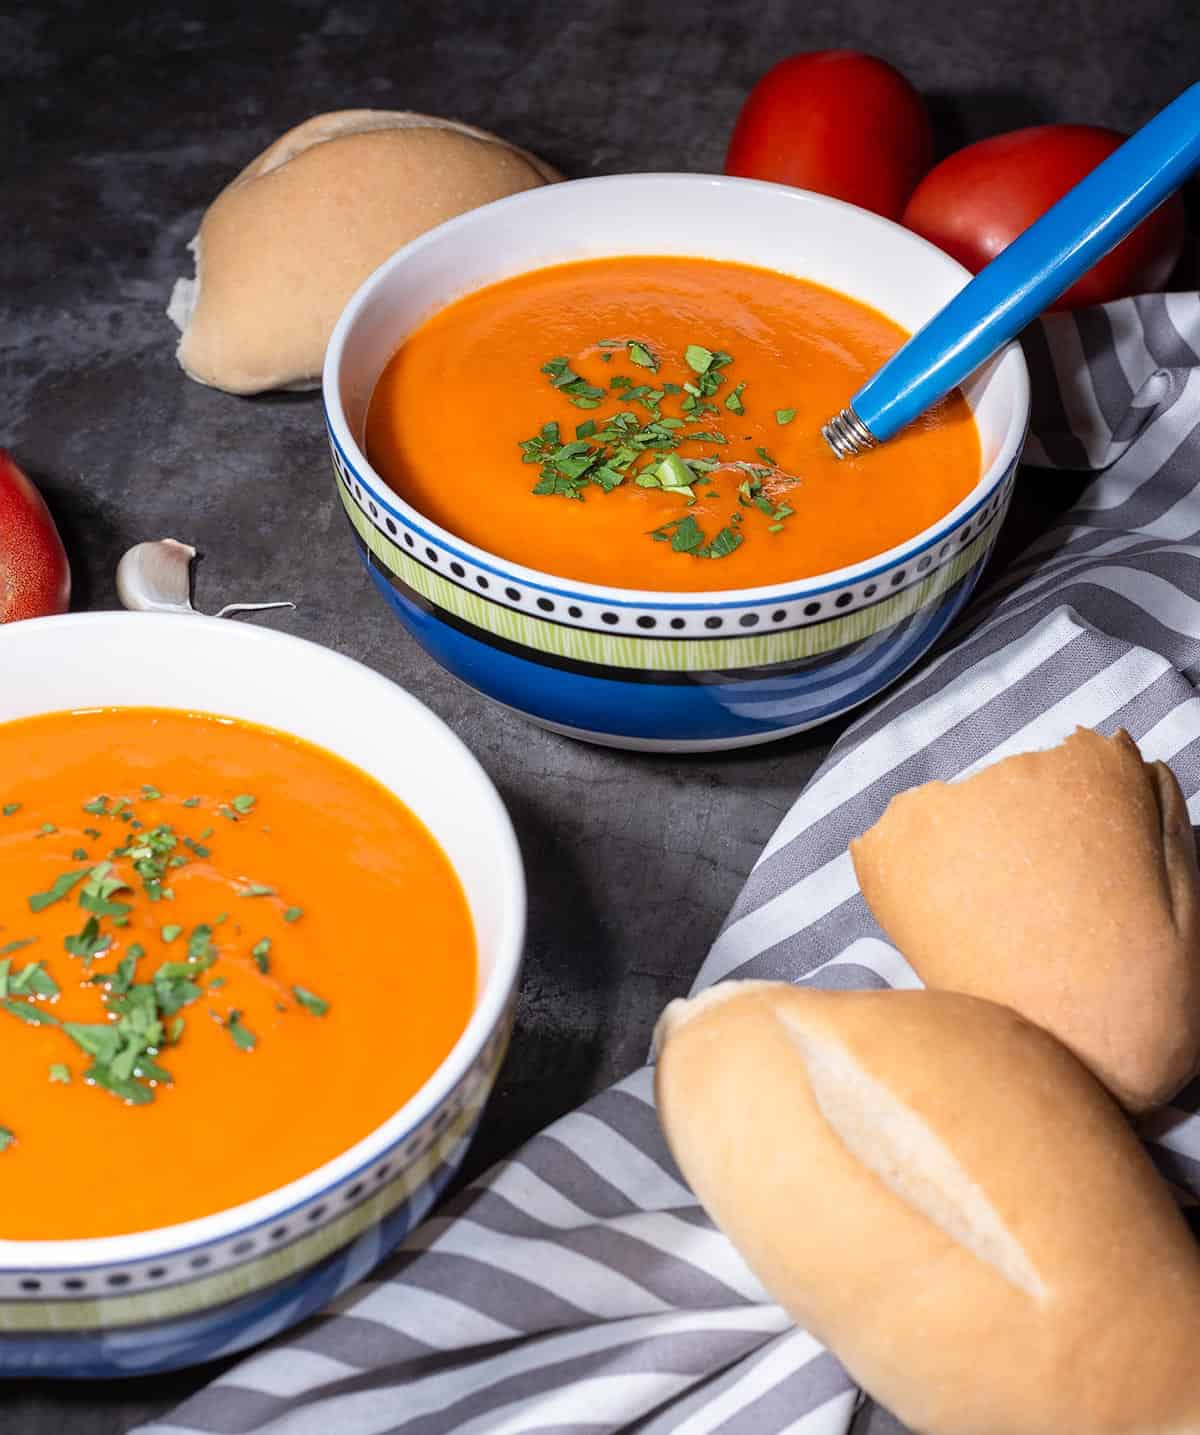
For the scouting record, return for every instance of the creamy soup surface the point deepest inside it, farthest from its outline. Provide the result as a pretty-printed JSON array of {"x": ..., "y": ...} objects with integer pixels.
[
  {"x": 226, "y": 956},
  {"x": 654, "y": 423}
]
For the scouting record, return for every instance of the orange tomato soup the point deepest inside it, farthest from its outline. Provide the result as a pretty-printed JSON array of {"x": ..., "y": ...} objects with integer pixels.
[
  {"x": 463, "y": 394},
  {"x": 297, "y": 934}
]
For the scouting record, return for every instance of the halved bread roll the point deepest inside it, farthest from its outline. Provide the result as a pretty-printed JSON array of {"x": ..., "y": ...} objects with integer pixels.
[
  {"x": 284, "y": 246},
  {"x": 1064, "y": 884},
  {"x": 941, "y": 1193}
]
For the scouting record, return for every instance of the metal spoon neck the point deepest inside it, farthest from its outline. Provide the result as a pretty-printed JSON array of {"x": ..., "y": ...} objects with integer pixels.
[{"x": 847, "y": 435}]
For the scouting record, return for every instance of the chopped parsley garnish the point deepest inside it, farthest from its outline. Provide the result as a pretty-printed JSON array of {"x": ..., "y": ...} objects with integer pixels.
[
  {"x": 141, "y": 1011},
  {"x": 88, "y": 943},
  {"x": 641, "y": 355},
  {"x": 623, "y": 448},
  {"x": 58, "y": 889},
  {"x": 243, "y": 1037},
  {"x": 6, "y": 1138},
  {"x": 310, "y": 1001},
  {"x": 27, "y": 1012},
  {"x": 33, "y": 980},
  {"x": 10, "y": 808}
]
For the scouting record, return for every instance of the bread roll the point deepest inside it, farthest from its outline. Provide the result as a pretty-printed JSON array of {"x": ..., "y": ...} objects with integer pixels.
[
  {"x": 942, "y": 1194},
  {"x": 1063, "y": 884},
  {"x": 285, "y": 245}
]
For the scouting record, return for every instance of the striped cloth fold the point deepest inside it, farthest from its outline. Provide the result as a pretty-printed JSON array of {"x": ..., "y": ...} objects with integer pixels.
[{"x": 578, "y": 1287}]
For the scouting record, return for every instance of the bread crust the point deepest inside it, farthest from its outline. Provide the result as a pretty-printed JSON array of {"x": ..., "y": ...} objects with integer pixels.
[
  {"x": 1064, "y": 884},
  {"x": 282, "y": 248},
  {"x": 1096, "y": 1334}
]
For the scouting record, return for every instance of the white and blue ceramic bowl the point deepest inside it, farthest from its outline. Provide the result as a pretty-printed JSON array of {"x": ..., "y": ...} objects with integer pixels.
[
  {"x": 126, "y": 1305},
  {"x": 653, "y": 670}
]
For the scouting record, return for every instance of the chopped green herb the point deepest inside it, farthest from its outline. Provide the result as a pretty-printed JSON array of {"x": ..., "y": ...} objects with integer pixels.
[
  {"x": 243, "y": 802},
  {"x": 47, "y": 829},
  {"x": 92, "y": 832},
  {"x": 98, "y": 890},
  {"x": 698, "y": 358},
  {"x": 733, "y": 399},
  {"x": 89, "y": 943},
  {"x": 191, "y": 802},
  {"x": 216, "y": 983},
  {"x": 10, "y": 808},
  {"x": 79, "y": 854},
  {"x": 784, "y": 416},
  {"x": 60, "y": 1073},
  {"x": 58, "y": 889},
  {"x": 293, "y": 914},
  {"x": 206, "y": 834},
  {"x": 640, "y": 355},
  {"x": 585, "y": 429},
  {"x": 150, "y": 792},
  {"x": 310, "y": 1002},
  {"x": 256, "y": 889},
  {"x": 766, "y": 457},
  {"x": 175, "y": 1030},
  {"x": 28, "y": 1013},
  {"x": 121, "y": 978},
  {"x": 171, "y": 931},
  {"x": 33, "y": 980},
  {"x": 98, "y": 806},
  {"x": 723, "y": 544},
  {"x": 6, "y": 1138},
  {"x": 10, "y": 947},
  {"x": 261, "y": 952},
  {"x": 243, "y": 1038}
]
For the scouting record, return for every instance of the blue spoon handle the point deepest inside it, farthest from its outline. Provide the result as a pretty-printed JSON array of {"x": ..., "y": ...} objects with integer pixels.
[{"x": 1026, "y": 277}]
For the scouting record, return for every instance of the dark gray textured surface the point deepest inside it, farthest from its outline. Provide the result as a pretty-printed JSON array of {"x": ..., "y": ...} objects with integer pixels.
[{"x": 117, "y": 130}]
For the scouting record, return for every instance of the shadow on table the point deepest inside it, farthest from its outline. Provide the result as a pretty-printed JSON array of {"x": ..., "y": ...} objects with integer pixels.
[{"x": 564, "y": 1010}]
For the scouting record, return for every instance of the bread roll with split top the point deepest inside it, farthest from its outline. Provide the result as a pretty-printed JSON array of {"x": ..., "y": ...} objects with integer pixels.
[
  {"x": 283, "y": 247},
  {"x": 1064, "y": 884},
  {"x": 945, "y": 1196}
]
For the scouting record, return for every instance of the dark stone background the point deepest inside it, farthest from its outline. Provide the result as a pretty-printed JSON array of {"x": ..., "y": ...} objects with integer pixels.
[{"x": 117, "y": 128}]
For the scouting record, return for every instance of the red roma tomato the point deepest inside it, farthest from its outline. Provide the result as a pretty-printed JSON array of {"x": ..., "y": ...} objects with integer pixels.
[
  {"x": 839, "y": 122},
  {"x": 34, "y": 577},
  {"x": 976, "y": 202}
]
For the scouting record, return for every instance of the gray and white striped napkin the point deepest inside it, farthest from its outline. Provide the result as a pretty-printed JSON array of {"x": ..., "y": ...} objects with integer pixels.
[{"x": 578, "y": 1287}]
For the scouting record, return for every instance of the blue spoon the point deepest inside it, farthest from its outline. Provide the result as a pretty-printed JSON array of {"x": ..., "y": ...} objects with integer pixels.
[{"x": 1025, "y": 278}]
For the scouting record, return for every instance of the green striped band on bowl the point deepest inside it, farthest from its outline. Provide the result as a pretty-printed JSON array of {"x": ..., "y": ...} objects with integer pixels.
[{"x": 746, "y": 650}]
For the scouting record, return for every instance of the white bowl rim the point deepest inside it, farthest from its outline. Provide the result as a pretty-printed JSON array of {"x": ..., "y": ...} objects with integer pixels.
[
  {"x": 1009, "y": 449},
  {"x": 163, "y": 1241}
]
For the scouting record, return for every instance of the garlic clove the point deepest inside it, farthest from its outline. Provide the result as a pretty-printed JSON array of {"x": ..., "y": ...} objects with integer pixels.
[{"x": 156, "y": 578}]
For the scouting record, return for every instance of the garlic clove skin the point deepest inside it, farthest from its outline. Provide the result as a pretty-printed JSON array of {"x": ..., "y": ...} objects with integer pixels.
[{"x": 156, "y": 578}]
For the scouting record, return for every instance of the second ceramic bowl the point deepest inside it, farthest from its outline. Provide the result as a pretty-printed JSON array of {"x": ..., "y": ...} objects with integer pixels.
[{"x": 651, "y": 670}]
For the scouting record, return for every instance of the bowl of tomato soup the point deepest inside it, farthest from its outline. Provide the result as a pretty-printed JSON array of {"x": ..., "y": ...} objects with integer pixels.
[
  {"x": 261, "y": 917},
  {"x": 576, "y": 434}
]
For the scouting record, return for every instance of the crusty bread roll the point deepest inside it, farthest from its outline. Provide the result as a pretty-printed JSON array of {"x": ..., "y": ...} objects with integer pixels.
[
  {"x": 1063, "y": 884},
  {"x": 285, "y": 245},
  {"x": 941, "y": 1193}
]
